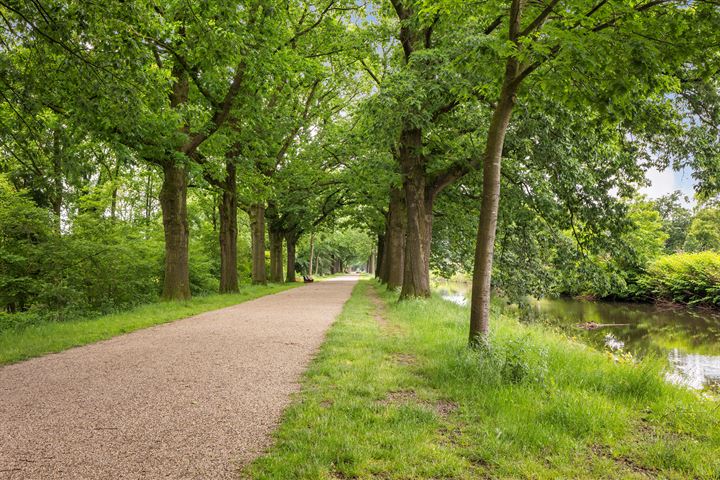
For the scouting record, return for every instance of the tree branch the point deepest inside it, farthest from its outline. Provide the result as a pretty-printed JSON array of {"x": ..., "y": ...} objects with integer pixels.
[{"x": 540, "y": 19}]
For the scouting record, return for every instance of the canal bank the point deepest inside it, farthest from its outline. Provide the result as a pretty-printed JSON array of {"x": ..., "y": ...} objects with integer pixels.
[{"x": 687, "y": 338}]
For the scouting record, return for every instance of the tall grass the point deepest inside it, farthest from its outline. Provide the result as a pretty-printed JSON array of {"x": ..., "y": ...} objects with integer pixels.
[{"x": 691, "y": 278}]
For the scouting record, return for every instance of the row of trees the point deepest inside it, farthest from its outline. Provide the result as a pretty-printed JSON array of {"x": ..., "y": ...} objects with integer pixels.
[
  {"x": 600, "y": 91},
  {"x": 393, "y": 116},
  {"x": 125, "y": 126}
]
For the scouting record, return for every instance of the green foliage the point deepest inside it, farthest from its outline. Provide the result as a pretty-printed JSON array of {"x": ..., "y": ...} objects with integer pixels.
[
  {"x": 676, "y": 220},
  {"x": 692, "y": 278},
  {"x": 350, "y": 247},
  {"x": 645, "y": 241},
  {"x": 613, "y": 269},
  {"x": 704, "y": 231},
  {"x": 25, "y": 236}
]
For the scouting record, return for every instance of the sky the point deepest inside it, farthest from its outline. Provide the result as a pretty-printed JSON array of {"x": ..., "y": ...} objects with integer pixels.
[{"x": 667, "y": 181}]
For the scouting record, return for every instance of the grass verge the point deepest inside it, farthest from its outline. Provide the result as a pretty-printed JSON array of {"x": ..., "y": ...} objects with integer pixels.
[
  {"x": 49, "y": 337},
  {"x": 397, "y": 395}
]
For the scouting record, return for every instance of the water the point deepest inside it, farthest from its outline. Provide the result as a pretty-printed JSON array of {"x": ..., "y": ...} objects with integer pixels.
[{"x": 688, "y": 338}]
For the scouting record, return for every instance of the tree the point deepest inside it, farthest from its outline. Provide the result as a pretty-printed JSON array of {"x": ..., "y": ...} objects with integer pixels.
[
  {"x": 676, "y": 220},
  {"x": 704, "y": 231},
  {"x": 181, "y": 96},
  {"x": 544, "y": 41}
]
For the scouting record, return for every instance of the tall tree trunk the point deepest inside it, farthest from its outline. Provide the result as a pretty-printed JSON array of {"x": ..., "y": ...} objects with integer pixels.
[
  {"x": 384, "y": 270},
  {"x": 257, "y": 227},
  {"x": 312, "y": 252},
  {"x": 482, "y": 273},
  {"x": 173, "y": 200},
  {"x": 228, "y": 232},
  {"x": 379, "y": 260},
  {"x": 416, "y": 276},
  {"x": 290, "y": 243},
  {"x": 114, "y": 194},
  {"x": 317, "y": 266},
  {"x": 276, "y": 254},
  {"x": 336, "y": 266},
  {"x": 57, "y": 194},
  {"x": 395, "y": 240},
  {"x": 148, "y": 197}
]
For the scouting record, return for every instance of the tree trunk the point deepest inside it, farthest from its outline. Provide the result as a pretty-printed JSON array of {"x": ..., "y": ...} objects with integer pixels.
[
  {"x": 395, "y": 241},
  {"x": 148, "y": 197},
  {"x": 482, "y": 273},
  {"x": 114, "y": 194},
  {"x": 257, "y": 227},
  {"x": 416, "y": 276},
  {"x": 379, "y": 260},
  {"x": 290, "y": 243},
  {"x": 173, "y": 200},
  {"x": 57, "y": 194},
  {"x": 337, "y": 266},
  {"x": 317, "y": 266},
  {"x": 228, "y": 232},
  {"x": 276, "y": 254},
  {"x": 312, "y": 251}
]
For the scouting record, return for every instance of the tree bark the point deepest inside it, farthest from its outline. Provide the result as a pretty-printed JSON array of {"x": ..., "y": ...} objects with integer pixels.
[
  {"x": 57, "y": 180},
  {"x": 114, "y": 194},
  {"x": 257, "y": 227},
  {"x": 395, "y": 241},
  {"x": 379, "y": 260},
  {"x": 416, "y": 275},
  {"x": 228, "y": 232},
  {"x": 173, "y": 200},
  {"x": 482, "y": 273},
  {"x": 148, "y": 197},
  {"x": 276, "y": 254},
  {"x": 290, "y": 244},
  {"x": 312, "y": 251}
]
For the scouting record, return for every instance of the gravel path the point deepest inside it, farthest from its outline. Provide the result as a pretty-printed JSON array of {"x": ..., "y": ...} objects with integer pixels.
[{"x": 193, "y": 399}]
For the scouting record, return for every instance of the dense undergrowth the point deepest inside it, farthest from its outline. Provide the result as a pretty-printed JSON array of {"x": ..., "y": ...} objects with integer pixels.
[
  {"x": 402, "y": 397},
  {"x": 31, "y": 340},
  {"x": 692, "y": 278}
]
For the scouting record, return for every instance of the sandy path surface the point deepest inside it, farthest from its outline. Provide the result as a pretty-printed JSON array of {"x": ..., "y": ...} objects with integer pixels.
[{"x": 193, "y": 399}]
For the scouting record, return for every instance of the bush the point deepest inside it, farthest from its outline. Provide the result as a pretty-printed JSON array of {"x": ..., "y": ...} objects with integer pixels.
[
  {"x": 25, "y": 233},
  {"x": 692, "y": 278},
  {"x": 97, "y": 266}
]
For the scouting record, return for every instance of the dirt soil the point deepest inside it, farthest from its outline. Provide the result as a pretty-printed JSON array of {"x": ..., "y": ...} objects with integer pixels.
[{"x": 192, "y": 399}]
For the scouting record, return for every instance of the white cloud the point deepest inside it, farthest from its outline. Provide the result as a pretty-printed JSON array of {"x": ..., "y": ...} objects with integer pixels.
[{"x": 663, "y": 182}]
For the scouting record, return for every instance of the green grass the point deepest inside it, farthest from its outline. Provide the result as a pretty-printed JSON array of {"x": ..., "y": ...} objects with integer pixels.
[
  {"x": 408, "y": 400},
  {"x": 35, "y": 340}
]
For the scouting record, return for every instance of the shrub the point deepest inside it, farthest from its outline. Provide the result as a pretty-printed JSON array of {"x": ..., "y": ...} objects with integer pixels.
[{"x": 692, "y": 278}]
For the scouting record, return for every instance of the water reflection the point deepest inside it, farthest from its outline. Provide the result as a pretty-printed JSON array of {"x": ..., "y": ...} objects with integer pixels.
[
  {"x": 613, "y": 343},
  {"x": 688, "y": 338},
  {"x": 696, "y": 371},
  {"x": 456, "y": 298}
]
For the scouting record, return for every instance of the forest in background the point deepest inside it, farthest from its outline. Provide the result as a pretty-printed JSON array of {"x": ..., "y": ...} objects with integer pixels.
[{"x": 168, "y": 149}]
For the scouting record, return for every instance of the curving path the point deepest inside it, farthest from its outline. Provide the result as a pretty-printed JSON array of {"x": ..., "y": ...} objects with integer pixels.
[{"x": 192, "y": 399}]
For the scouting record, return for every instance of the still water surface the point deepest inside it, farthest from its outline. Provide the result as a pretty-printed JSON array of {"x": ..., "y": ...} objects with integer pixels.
[{"x": 688, "y": 338}]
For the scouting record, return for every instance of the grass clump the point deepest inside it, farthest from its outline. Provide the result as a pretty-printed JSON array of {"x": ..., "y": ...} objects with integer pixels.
[
  {"x": 406, "y": 399},
  {"x": 22, "y": 341}
]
